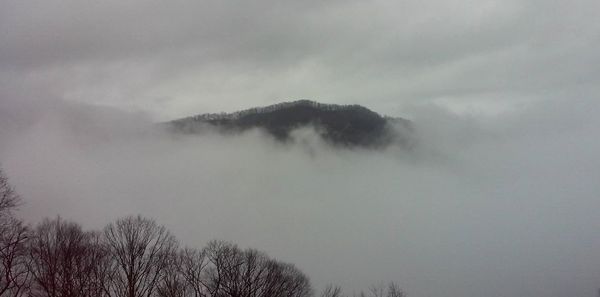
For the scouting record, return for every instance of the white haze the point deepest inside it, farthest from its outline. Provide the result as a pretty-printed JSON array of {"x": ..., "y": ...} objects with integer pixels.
[{"x": 503, "y": 205}]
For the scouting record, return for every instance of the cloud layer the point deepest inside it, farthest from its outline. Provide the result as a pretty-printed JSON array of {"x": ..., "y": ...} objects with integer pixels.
[
  {"x": 180, "y": 58},
  {"x": 481, "y": 206}
]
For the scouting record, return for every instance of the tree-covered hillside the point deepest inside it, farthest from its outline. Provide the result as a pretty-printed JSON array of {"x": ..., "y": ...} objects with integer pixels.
[{"x": 347, "y": 125}]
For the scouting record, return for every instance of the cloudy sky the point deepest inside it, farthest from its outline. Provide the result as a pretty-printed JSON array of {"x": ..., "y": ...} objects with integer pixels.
[
  {"x": 176, "y": 58},
  {"x": 499, "y": 197}
]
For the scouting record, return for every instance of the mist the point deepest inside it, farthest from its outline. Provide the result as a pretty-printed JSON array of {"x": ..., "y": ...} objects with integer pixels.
[{"x": 482, "y": 205}]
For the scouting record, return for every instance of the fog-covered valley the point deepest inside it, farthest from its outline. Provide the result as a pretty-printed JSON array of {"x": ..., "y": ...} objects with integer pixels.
[{"x": 502, "y": 205}]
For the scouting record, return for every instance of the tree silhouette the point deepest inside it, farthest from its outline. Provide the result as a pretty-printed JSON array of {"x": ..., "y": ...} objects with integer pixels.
[
  {"x": 235, "y": 272},
  {"x": 14, "y": 260},
  {"x": 141, "y": 250},
  {"x": 14, "y": 275},
  {"x": 9, "y": 199},
  {"x": 65, "y": 261}
]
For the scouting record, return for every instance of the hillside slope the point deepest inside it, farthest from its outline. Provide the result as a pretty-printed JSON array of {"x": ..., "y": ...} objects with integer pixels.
[{"x": 346, "y": 125}]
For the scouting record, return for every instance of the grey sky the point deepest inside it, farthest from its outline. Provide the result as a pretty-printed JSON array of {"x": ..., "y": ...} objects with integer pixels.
[{"x": 175, "y": 58}]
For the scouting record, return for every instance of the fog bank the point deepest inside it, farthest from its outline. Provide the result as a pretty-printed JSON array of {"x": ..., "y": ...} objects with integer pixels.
[{"x": 483, "y": 205}]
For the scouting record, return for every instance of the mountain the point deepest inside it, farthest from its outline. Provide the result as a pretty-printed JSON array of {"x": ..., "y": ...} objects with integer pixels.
[{"x": 344, "y": 125}]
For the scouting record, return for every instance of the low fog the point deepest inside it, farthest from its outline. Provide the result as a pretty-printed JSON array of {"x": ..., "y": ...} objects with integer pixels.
[{"x": 482, "y": 205}]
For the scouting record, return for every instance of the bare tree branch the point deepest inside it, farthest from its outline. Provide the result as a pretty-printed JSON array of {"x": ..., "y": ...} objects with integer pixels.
[
  {"x": 9, "y": 199},
  {"x": 65, "y": 261},
  {"x": 141, "y": 250},
  {"x": 14, "y": 274},
  {"x": 332, "y": 291}
]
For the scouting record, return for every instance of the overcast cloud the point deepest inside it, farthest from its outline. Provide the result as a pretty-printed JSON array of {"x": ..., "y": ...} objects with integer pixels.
[
  {"x": 176, "y": 58},
  {"x": 500, "y": 197}
]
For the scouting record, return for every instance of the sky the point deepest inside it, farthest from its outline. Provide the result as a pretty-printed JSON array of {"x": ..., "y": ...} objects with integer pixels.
[
  {"x": 177, "y": 58},
  {"x": 498, "y": 197}
]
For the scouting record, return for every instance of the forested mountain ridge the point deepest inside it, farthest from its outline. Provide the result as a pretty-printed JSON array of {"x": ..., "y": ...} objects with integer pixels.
[{"x": 345, "y": 125}]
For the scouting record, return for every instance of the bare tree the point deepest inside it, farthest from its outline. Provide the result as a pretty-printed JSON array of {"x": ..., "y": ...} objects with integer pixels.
[
  {"x": 332, "y": 291},
  {"x": 172, "y": 282},
  {"x": 99, "y": 264},
  {"x": 250, "y": 273},
  {"x": 285, "y": 279},
  {"x": 377, "y": 291},
  {"x": 221, "y": 277},
  {"x": 392, "y": 290},
  {"x": 14, "y": 276},
  {"x": 141, "y": 250},
  {"x": 9, "y": 199},
  {"x": 65, "y": 261},
  {"x": 193, "y": 268},
  {"x": 395, "y": 291},
  {"x": 14, "y": 273}
]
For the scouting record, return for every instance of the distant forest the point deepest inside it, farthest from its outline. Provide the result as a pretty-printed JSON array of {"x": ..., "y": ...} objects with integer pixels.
[
  {"x": 136, "y": 257},
  {"x": 340, "y": 125}
]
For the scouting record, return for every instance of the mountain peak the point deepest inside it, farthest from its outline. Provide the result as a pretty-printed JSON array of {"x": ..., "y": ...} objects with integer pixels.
[{"x": 347, "y": 125}]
